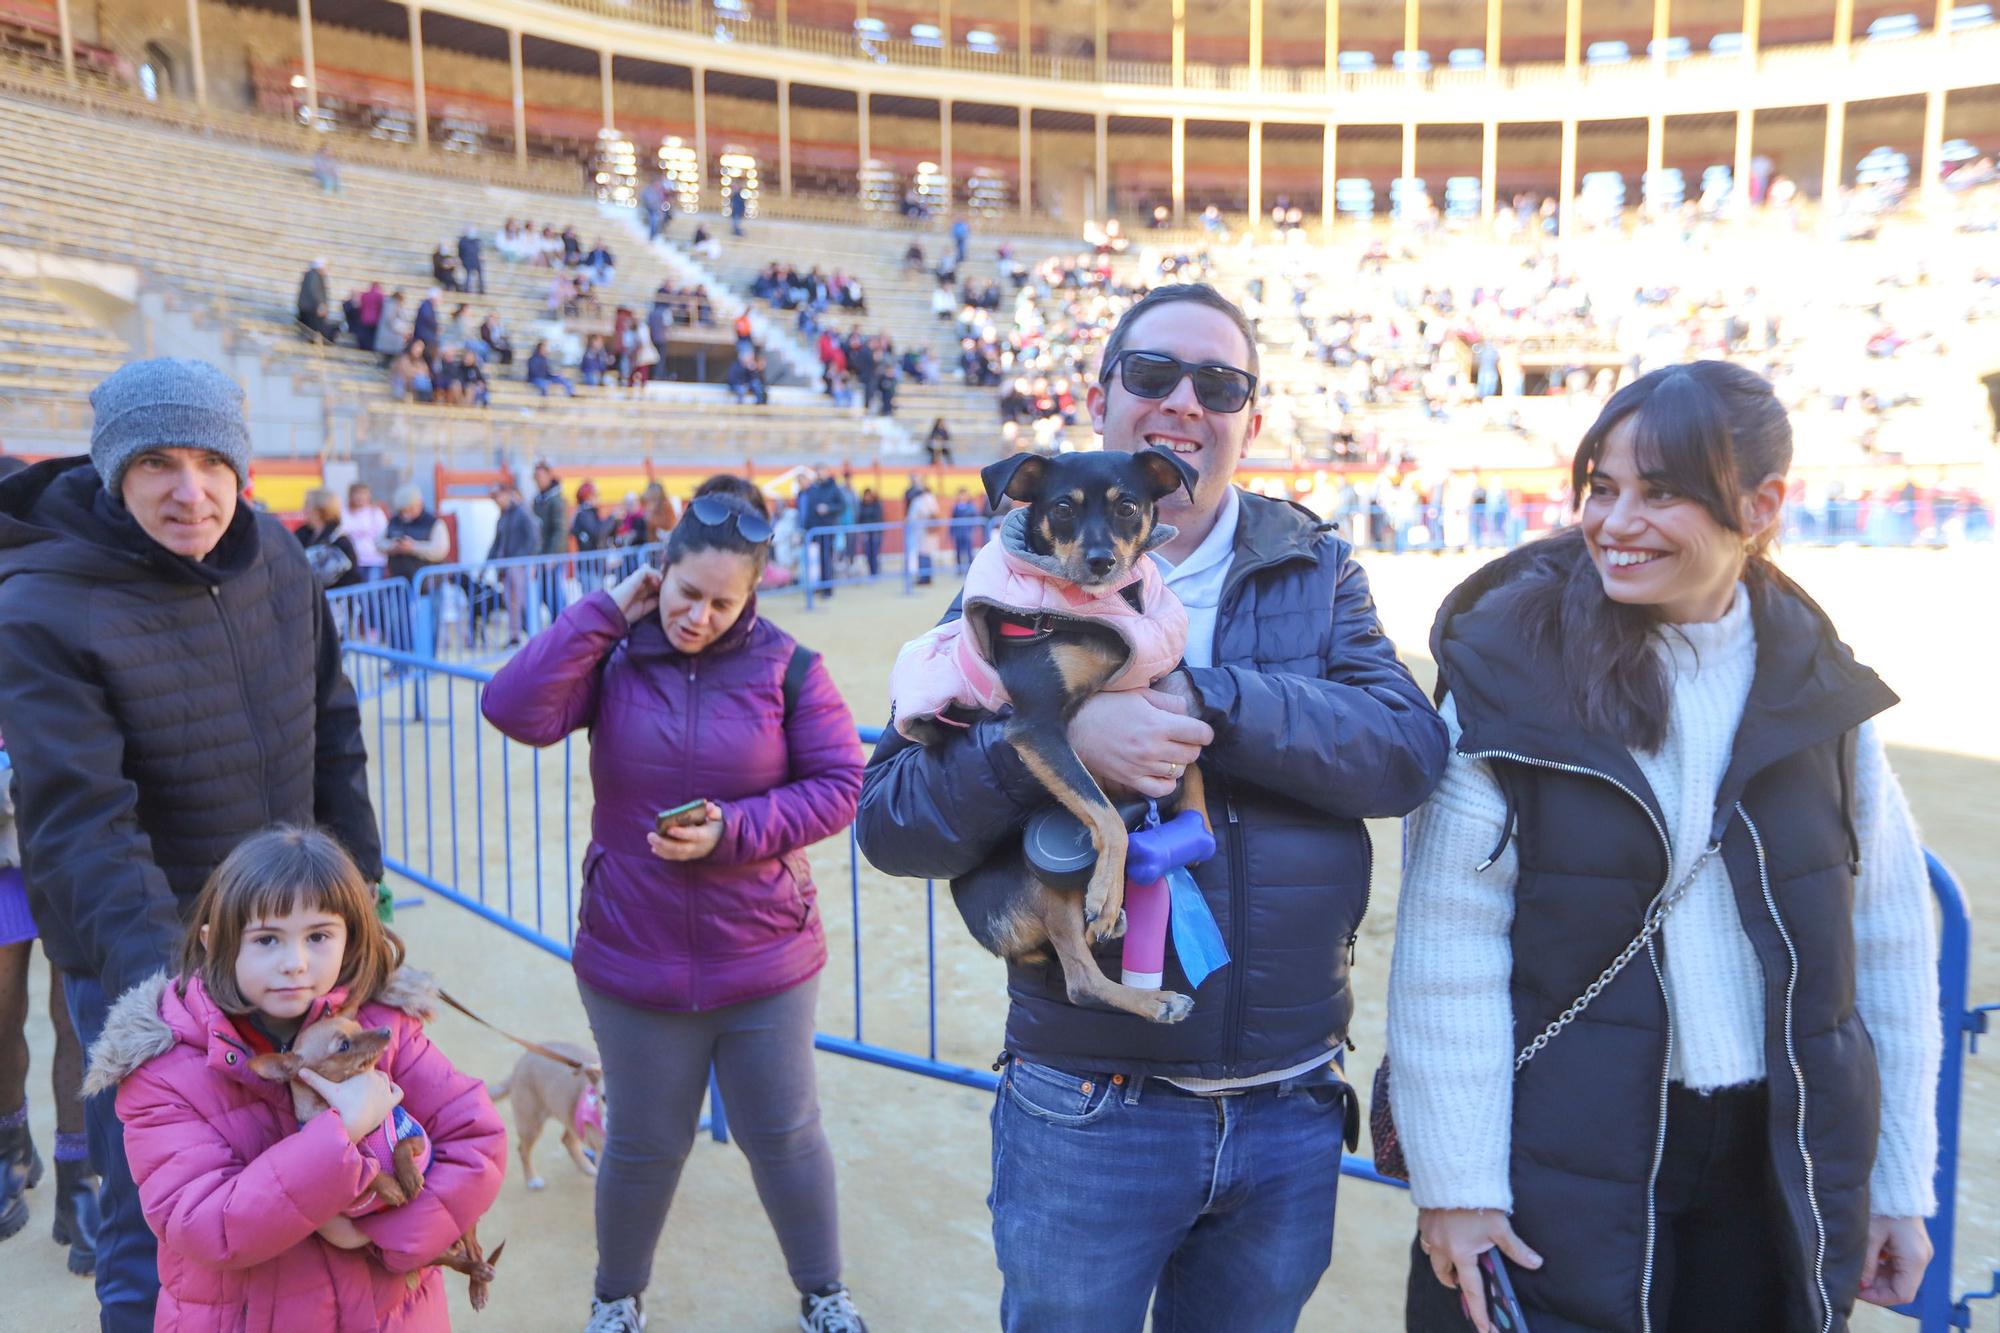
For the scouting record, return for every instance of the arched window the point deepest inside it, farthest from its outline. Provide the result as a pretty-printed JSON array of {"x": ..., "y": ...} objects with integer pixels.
[{"x": 156, "y": 72}]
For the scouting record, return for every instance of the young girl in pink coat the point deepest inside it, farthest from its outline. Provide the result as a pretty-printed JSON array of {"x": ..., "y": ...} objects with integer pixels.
[{"x": 257, "y": 1213}]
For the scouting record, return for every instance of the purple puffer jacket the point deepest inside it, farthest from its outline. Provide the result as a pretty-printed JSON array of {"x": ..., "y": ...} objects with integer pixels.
[{"x": 666, "y": 728}]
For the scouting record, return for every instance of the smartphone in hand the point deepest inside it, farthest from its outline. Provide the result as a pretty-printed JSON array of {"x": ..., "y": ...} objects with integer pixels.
[
  {"x": 681, "y": 816},
  {"x": 1503, "y": 1308}
]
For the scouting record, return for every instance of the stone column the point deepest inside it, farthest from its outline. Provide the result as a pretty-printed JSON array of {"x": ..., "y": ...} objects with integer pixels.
[
  {"x": 1566, "y": 187},
  {"x": 1489, "y": 171},
  {"x": 1329, "y": 173},
  {"x": 1103, "y": 194},
  {"x": 1256, "y": 201},
  {"x": 1831, "y": 170},
  {"x": 1256, "y": 44},
  {"x": 68, "y": 40},
  {"x": 520, "y": 95},
  {"x": 194, "y": 53},
  {"x": 305, "y": 54},
  {"x": 700, "y": 77},
  {"x": 944, "y": 153},
  {"x": 1746, "y": 124},
  {"x": 419, "y": 100},
  {"x": 785, "y": 137},
  {"x": 1025, "y": 190},
  {"x": 1931, "y": 190},
  {"x": 604, "y": 89},
  {"x": 1178, "y": 178}
]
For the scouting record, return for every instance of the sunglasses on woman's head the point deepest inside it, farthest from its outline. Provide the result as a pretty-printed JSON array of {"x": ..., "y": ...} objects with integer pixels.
[
  {"x": 711, "y": 512},
  {"x": 1217, "y": 387}
]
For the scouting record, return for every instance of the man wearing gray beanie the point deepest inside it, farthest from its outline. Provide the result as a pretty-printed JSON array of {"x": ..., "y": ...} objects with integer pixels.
[{"x": 170, "y": 682}]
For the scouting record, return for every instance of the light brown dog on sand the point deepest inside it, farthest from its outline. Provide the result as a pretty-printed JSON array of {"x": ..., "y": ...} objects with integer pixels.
[{"x": 547, "y": 1089}]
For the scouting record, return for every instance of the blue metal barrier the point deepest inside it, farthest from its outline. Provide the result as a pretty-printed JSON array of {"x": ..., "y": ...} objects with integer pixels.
[
  {"x": 476, "y": 610},
  {"x": 864, "y": 543},
  {"x": 445, "y": 792}
]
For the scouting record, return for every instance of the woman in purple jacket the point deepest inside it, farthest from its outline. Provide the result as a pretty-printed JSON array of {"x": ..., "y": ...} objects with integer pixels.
[{"x": 703, "y": 945}]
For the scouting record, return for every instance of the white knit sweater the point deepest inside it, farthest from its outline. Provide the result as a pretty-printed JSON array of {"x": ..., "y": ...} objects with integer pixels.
[{"x": 1451, "y": 1038}]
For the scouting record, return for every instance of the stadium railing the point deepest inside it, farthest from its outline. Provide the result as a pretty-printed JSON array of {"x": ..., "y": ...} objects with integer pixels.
[{"x": 492, "y": 825}]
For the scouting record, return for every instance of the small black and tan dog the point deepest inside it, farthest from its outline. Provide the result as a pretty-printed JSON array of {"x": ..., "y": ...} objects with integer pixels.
[{"x": 1091, "y": 516}]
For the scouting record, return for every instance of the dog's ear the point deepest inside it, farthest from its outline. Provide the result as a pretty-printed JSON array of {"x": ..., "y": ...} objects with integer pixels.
[
  {"x": 278, "y": 1068},
  {"x": 1018, "y": 477},
  {"x": 1165, "y": 473}
]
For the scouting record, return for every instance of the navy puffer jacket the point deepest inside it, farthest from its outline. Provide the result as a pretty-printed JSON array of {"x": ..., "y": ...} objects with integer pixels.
[
  {"x": 1318, "y": 726},
  {"x": 159, "y": 710}
]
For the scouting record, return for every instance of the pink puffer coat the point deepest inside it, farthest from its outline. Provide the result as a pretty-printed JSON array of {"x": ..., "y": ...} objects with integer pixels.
[
  {"x": 235, "y": 1188},
  {"x": 953, "y": 665}
]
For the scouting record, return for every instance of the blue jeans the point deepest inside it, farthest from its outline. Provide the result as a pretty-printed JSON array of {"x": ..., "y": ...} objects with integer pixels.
[
  {"x": 1110, "y": 1197},
  {"x": 128, "y": 1274}
]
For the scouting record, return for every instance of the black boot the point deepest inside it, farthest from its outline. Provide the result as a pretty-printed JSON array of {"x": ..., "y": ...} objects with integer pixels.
[
  {"x": 20, "y": 1171},
  {"x": 76, "y": 1215}
]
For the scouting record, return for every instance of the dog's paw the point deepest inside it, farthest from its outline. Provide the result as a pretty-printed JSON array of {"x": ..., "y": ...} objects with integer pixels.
[
  {"x": 536, "y": 1182},
  {"x": 1173, "y": 1007},
  {"x": 1116, "y": 930}
]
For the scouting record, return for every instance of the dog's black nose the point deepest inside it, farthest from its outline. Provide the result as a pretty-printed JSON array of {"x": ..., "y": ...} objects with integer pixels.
[{"x": 1099, "y": 563}]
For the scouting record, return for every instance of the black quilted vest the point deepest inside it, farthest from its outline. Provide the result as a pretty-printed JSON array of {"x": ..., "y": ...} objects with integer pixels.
[{"x": 1589, "y": 1109}]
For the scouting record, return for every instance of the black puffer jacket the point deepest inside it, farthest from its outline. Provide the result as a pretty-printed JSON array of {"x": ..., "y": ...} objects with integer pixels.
[
  {"x": 158, "y": 710},
  {"x": 1317, "y": 726},
  {"x": 1590, "y": 838}
]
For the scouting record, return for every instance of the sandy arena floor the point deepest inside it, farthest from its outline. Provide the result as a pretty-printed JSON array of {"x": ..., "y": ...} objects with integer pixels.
[{"x": 913, "y": 1151}]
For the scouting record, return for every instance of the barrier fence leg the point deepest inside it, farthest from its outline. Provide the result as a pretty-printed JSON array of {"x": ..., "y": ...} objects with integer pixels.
[{"x": 1932, "y": 1309}]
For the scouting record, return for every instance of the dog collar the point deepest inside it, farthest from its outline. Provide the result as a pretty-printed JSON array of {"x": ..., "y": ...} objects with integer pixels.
[{"x": 1023, "y": 629}]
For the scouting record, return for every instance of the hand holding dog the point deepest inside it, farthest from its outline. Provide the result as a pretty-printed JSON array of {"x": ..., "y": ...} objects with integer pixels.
[
  {"x": 342, "y": 1234},
  {"x": 362, "y": 1102},
  {"x": 1138, "y": 742},
  {"x": 693, "y": 842}
]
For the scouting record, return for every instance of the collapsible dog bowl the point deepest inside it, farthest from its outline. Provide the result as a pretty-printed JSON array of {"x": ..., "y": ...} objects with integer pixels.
[{"x": 1058, "y": 847}]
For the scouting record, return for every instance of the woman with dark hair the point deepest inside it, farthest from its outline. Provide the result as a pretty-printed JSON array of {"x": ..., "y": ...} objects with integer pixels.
[
  {"x": 1663, "y": 1016},
  {"x": 720, "y": 751}
]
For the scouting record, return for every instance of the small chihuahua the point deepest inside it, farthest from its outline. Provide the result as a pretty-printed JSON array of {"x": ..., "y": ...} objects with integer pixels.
[
  {"x": 571, "y": 1094},
  {"x": 337, "y": 1048},
  {"x": 1079, "y": 551}
]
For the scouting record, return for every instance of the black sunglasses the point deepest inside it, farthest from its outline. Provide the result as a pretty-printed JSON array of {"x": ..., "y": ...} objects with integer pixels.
[
  {"x": 1217, "y": 387},
  {"x": 711, "y": 512}
]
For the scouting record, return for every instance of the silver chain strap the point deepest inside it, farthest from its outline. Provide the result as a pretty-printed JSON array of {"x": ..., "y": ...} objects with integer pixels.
[{"x": 1654, "y": 920}]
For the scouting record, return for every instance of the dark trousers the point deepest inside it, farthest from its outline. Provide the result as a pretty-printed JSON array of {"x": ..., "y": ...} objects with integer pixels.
[
  {"x": 128, "y": 1275},
  {"x": 1721, "y": 1227},
  {"x": 871, "y": 543}
]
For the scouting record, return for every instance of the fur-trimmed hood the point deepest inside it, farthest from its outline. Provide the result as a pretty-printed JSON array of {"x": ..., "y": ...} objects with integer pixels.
[{"x": 147, "y": 1020}]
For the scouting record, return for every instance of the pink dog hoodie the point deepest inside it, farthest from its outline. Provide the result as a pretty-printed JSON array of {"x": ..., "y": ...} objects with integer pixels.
[{"x": 953, "y": 664}]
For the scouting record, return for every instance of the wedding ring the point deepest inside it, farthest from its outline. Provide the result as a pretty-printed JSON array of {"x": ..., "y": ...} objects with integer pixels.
[{"x": 1173, "y": 770}]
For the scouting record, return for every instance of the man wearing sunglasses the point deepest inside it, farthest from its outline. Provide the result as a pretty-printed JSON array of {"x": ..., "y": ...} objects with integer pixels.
[{"x": 1194, "y": 1164}]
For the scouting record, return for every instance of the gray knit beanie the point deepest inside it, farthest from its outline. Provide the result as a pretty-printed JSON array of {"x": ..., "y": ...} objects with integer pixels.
[{"x": 170, "y": 402}]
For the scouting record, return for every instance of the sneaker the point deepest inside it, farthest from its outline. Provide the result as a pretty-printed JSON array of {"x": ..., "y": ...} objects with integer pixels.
[
  {"x": 620, "y": 1316},
  {"x": 829, "y": 1310}
]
